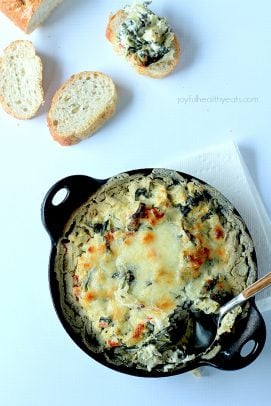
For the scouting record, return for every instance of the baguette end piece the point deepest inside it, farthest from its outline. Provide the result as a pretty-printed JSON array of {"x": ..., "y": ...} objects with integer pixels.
[{"x": 28, "y": 15}]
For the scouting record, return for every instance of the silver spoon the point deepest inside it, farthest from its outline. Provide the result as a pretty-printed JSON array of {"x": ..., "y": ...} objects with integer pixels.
[{"x": 206, "y": 325}]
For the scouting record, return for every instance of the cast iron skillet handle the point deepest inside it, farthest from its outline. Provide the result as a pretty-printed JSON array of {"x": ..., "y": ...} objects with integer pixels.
[
  {"x": 78, "y": 188},
  {"x": 233, "y": 356}
]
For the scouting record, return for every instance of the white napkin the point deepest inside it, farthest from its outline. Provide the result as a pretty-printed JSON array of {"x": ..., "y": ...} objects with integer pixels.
[{"x": 223, "y": 167}]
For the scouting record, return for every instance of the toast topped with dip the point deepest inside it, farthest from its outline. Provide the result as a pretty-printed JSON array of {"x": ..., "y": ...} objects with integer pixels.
[{"x": 146, "y": 40}]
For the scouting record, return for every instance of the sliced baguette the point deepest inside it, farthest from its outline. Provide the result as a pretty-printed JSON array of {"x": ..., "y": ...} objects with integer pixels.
[
  {"x": 21, "y": 92},
  {"x": 81, "y": 106},
  {"x": 156, "y": 70},
  {"x": 28, "y": 14}
]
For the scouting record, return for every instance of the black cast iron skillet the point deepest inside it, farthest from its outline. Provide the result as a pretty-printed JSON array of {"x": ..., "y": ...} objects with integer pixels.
[{"x": 54, "y": 217}]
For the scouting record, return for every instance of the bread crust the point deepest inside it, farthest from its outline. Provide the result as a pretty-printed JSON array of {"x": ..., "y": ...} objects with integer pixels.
[
  {"x": 3, "y": 102},
  {"x": 21, "y": 12},
  {"x": 92, "y": 126},
  {"x": 156, "y": 70}
]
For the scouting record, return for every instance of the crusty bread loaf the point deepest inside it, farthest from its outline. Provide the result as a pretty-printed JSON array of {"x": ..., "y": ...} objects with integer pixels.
[
  {"x": 158, "y": 69},
  {"x": 21, "y": 92},
  {"x": 81, "y": 106},
  {"x": 28, "y": 14}
]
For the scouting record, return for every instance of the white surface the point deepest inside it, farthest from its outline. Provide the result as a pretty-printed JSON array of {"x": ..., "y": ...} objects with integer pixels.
[
  {"x": 223, "y": 167},
  {"x": 225, "y": 54}
]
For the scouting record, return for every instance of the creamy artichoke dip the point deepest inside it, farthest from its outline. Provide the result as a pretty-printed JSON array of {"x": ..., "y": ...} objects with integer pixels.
[
  {"x": 140, "y": 256},
  {"x": 145, "y": 35}
]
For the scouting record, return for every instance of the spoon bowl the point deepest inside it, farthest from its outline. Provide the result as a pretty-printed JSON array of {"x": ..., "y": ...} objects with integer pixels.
[{"x": 207, "y": 325}]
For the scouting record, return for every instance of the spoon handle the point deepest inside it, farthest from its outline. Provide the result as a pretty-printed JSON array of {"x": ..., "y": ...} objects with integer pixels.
[
  {"x": 250, "y": 291},
  {"x": 257, "y": 286}
]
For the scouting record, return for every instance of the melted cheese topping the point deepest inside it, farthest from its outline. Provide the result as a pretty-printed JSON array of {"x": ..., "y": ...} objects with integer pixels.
[{"x": 138, "y": 256}]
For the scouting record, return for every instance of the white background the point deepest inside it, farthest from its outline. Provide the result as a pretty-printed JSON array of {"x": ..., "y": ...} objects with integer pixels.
[{"x": 226, "y": 53}]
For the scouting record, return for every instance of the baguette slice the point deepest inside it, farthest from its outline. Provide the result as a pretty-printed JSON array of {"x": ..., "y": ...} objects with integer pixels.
[
  {"x": 28, "y": 14},
  {"x": 21, "y": 92},
  {"x": 156, "y": 70},
  {"x": 81, "y": 106}
]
